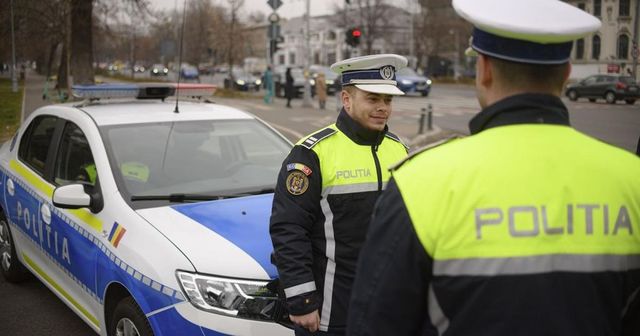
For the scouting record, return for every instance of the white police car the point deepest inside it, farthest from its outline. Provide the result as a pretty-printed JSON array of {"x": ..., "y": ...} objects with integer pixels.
[{"x": 145, "y": 220}]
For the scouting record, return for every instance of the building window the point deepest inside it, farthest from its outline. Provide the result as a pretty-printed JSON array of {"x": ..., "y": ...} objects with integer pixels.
[
  {"x": 624, "y": 8},
  {"x": 281, "y": 59},
  {"x": 292, "y": 58},
  {"x": 623, "y": 46},
  {"x": 597, "y": 7},
  {"x": 595, "y": 47},
  {"x": 332, "y": 36},
  {"x": 580, "y": 49}
]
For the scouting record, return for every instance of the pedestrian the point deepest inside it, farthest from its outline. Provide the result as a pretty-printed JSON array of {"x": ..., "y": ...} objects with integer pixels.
[
  {"x": 325, "y": 194},
  {"x": 268, "y": 85},
  {"x": 288, "y": 87},
  {"x": 321, "y": 90},
  {"x": 526, "y": 227}
]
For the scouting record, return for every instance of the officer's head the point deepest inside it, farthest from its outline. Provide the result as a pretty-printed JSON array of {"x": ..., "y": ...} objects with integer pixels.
[
  {"x": 368, "y": 86},
  {"x": 523, "y": 46}
]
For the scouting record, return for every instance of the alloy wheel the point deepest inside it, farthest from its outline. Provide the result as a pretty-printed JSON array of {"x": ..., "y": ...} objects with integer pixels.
[
  {"x": 126, "y": 327},
  {"x": 5, "y": 245}
]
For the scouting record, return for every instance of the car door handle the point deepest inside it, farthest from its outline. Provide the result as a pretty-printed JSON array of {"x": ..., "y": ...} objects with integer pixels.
[{"x": 45, "y": 212}]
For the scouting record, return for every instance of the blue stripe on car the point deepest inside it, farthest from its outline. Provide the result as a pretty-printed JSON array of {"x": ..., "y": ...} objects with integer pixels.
[{"x": 242, "y": 221}]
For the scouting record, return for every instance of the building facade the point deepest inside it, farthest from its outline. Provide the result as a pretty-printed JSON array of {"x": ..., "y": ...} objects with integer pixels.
[{"x": 614, "y": 48}]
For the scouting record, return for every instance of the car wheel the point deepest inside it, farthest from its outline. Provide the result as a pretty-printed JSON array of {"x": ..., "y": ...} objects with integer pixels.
[
  {"x": 593, "y": 100},
  {"x": 12, "y": 270},
  {"x": 425, "y": 93},
  {"x": 610, "y": 97},
  {"x": 573, "y": 95},
  {"x": 129, "y": 320},
  {"x": 630, "y": 101}
]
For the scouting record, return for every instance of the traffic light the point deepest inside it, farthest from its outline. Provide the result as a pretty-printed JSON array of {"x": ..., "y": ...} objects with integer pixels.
[
  {"x": 274, "y": 45},
  {"x": 352, "y": 37}
]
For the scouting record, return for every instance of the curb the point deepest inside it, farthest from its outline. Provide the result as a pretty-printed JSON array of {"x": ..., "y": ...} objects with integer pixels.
[{"x": 430, "y": 137}]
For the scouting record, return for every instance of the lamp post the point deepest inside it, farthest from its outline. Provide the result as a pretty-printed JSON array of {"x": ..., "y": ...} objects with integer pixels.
[
  {"x": 14, "y": 80},
  {"x": 307, "y": 55},
  {"x": 456, "y": 59}
]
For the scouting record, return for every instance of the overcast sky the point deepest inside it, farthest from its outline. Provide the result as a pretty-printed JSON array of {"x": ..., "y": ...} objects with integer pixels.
[{"x": 289, "y": 8}]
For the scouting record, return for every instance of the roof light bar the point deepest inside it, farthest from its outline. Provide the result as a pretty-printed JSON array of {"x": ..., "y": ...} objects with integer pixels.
[{"x": 142, "y": 91}]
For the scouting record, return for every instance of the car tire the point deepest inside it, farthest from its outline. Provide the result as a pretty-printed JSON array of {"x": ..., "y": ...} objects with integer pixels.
[
  {"x": 630, "y": 101},
  {"x": 129, "y": 320},
  {"x": 610, "y": 97},
  {"x": 12, "y": 270},
  {"x": 573, "y": 95},
  {"x": 424, "y": 94},
  {"x": 592, "y": 100}
]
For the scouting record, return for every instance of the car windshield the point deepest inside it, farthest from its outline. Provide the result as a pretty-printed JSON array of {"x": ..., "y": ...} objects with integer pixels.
[
  {"x": 210, "y": 157},
  {"x": 406, "y": 72}
]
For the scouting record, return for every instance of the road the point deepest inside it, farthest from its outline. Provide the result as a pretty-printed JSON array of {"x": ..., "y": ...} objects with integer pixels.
[{"x": 31, "y": 309}]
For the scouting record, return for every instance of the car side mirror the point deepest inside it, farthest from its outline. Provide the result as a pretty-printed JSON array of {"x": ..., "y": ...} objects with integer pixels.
[{"x": 72, "y": 196}]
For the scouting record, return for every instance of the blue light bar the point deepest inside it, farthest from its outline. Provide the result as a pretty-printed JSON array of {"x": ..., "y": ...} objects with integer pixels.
[{"x": 110, "y": 90}]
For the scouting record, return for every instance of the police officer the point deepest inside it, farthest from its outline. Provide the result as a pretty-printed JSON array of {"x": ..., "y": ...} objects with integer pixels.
[
  {"x": 325, "y": 195},
  {"x": 526, "y": 227}
]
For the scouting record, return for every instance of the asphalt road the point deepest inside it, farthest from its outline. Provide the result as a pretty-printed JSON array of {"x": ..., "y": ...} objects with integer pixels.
[{"x": 31, "y": 309}]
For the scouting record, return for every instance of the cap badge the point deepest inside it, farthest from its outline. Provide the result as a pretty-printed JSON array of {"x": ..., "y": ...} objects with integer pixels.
[{"x": 386, "y": 72}]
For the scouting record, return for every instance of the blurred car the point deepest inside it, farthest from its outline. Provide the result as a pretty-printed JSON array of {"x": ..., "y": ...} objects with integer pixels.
[
  {"x": 142, "y": 220},
  {"x": 279, "y": 78},
  {"x": 409, "y": 82},
  {"x": 330, "y": 78},
  {"x": 139, "y": 68},
  {"x": 611, "y": 88},
  {"x": 189, "y": 72},
  {"x": 159, "y": 70},
  {"x": 243, "y": 81}
]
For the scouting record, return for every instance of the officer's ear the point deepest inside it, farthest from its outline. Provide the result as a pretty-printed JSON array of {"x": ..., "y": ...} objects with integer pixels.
[
  {"x": 347, "y": 99},
  {"x": 485, "y": 71}
]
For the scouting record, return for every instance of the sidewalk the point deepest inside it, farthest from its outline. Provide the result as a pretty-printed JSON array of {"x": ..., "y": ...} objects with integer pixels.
[{"x": 33, "y": 89}]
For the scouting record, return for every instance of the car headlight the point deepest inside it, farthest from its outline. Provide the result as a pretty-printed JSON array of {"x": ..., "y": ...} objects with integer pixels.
[
  {"x": 248, "y": 299},
  {"x": 429, "y": 82},
  {"x": 165, "y": 70},
  {"x": 155, "y": 70},
  {"x": 258, "y": 82},
  {"x": 240, "y": 82},
  {"x": 329, "y": 81},
  {"x": 406, "y": 82},
  {"x": 312, "y": 82}
]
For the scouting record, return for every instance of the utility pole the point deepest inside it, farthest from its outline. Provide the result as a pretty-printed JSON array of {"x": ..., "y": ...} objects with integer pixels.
[
  {"x": 636, "y": 41},
  {"x": 14, "y": 80},
  {"x": 307, "y": 54}
]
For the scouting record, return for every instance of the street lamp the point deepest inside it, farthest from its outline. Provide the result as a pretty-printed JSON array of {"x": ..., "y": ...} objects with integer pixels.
[
  {"x": 456, "y": 59},
  {"x": 14, "y": 80}
]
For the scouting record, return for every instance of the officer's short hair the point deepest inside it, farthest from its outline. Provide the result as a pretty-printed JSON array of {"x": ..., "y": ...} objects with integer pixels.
[{"x": 542, "y": 77}]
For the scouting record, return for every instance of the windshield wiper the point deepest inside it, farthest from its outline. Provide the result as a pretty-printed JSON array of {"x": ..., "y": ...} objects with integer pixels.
[{"x": 180, "y": 198}]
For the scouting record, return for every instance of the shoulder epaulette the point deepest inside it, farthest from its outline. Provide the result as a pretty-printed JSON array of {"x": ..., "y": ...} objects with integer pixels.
[
  {"x": 396, "y": 138},
  {"x": 424, "y": 149},
  {"x": 314, "y": 138}
]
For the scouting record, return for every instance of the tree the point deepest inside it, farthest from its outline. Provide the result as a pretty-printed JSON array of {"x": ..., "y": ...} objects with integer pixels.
[{"x": 234, "y": 7}]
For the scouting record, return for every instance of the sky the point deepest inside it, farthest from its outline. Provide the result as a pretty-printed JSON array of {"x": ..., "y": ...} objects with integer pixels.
[{"x": 289, "y": 8}]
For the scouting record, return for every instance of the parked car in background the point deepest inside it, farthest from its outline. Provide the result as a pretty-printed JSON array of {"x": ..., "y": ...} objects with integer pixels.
[
  {"x": 409, "y": 82},
  {"x": 279, "y": 80},
  {"x": 611, "y": 88},
  {"x": 330, "y": 78},
  {"x": 189, "y": 72},
  {"x": 242, "y": 81},
  {"x": 159, "y": 70}
]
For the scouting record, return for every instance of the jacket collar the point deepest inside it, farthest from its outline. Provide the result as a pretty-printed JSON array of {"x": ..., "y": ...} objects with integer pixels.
[
  {"x": 526, "y": 108},
  {"x": 357, "y": 133}
]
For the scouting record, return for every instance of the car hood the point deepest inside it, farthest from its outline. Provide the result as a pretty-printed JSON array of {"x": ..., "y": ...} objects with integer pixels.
[{"x": 228, "y": 238}]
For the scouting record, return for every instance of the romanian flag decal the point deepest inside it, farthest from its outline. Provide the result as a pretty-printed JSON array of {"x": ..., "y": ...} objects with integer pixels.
[{"x": 117, "y": 232}]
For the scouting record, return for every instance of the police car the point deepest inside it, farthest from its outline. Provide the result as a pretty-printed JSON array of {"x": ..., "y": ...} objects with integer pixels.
[{"x": 146, "y": 217}]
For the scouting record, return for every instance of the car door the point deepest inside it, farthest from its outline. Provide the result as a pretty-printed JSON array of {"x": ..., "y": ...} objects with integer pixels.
[
  {"x": 587, "y": 87},
  {"x": 73, "y": 164},
  {"x": 601, "y": 86},
  {"x": 28, "y": 190}
]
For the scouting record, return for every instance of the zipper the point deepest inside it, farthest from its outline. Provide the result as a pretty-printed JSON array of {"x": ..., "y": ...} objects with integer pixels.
[{"x": 374, "y": 152}]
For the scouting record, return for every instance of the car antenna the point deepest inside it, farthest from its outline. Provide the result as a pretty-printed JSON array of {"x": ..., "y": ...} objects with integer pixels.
[{"x": 184, "y": 14}]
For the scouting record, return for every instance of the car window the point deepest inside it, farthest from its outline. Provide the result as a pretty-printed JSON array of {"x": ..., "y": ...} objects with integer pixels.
[
  {"x": 406, "y": 72},
  {"x": 34, "y": 145},
  {"x": 74, "y": 162},
  {"x": 603, "y": 79},
  {"x": 590, "y": 80},
  {"x": 202, "y": 157},
  {"x": 627, "y": 80}
]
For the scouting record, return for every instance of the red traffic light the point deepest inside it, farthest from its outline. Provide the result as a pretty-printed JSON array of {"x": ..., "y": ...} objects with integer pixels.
[{"x": 356, "y": 33}]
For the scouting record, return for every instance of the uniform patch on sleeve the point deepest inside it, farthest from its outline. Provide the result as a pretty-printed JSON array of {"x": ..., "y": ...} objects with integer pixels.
[
  {"x": 297, "y": 182},
  {"x": 299, "y": 166}
]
